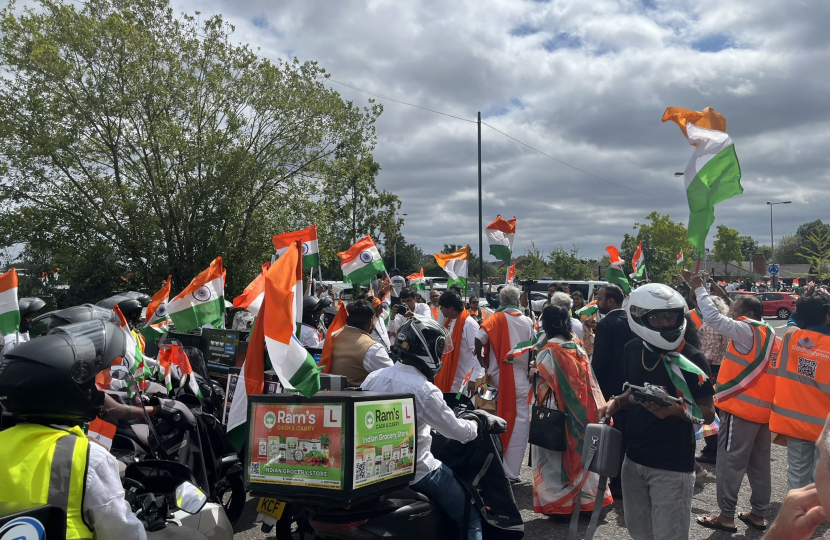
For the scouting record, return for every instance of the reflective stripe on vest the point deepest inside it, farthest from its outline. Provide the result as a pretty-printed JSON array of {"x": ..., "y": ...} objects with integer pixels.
[
  {"x": 45, "y": 465},
  {"x": 802, "y": 391},
  {"x": 745, "y": 388}
]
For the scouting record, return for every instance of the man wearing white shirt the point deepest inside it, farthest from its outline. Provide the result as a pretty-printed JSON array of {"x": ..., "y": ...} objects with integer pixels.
[
  {"x": 461, "y": 360},
  {"x": 354, "y": 353},
  {"x": 412, "y": 307}
]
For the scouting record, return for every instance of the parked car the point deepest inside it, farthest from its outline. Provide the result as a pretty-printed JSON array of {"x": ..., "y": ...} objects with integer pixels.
[{"x": 777, "y": 304}]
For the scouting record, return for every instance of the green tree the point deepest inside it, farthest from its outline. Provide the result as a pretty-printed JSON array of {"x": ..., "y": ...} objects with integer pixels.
[
  {"x": 806, "y": 230},
  {"x": 567, "y": 265},
  {"x": 816, "y": 250},
  {"x": 662, "y": 240},
  {"x": 787, "y": 249},
  {"x": 749, "y": 246},
  {"x": 536, "y": 266},
  {"x": 139, "y": 143},
  {"x": 727, "y": 246}
]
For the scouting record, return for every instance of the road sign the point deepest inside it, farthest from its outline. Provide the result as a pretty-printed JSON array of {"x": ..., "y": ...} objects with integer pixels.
[{"x": 773, "y": 269}]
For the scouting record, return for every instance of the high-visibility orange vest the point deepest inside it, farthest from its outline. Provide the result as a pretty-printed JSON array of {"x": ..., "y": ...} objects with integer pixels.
[
  {"x": 754, "y": 403},
  {"x": 696, "y": 318},
  {"x": 802, "y": 385}
]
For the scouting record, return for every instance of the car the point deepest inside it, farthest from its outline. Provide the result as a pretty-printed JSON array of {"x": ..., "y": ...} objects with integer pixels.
[
  {"x": 735, "y": 294},
  {"x": 777, "y": 304}
]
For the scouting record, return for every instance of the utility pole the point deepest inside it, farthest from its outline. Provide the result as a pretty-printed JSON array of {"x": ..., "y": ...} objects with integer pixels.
[{"x": 480, "y": 223}]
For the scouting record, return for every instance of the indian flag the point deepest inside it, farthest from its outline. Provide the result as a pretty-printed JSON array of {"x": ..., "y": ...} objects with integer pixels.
[
  {"x": 535, "y": 343},
  {"x": 713, "y": 174},
  {"x": 638, "y": 261},
  {"x": 500, "y": 235},
  {"x": 101, "y": 432},
  {"x": 156, "y": 314},
  {"x": 251, "y": 298},
  {"x": 362, "y": 262},
  {"x": 455, "y": 265},
  {"x": 680, "y": 257},
  {"x": 9, "y": 309},
  {"x": 275, "y": 327},
  {"x": 511, "y": 273},
  {"x": 588, "y": 310},
  {"x": 416, "y": 281},
  {"x": 311, "y": 251},
  {"x": 202, "y": 302},
  {"x": 615, "y": 272}
]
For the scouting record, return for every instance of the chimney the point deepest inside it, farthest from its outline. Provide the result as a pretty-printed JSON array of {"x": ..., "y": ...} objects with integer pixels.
[{"x": 759, "y": 264}]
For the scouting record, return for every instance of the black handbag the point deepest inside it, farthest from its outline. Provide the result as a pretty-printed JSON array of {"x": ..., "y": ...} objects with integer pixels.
[{"x": 547, "y": 426}]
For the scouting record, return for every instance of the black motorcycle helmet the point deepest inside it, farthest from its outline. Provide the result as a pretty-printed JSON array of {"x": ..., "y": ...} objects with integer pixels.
[
  {"x": 143, "y": 299},
  {"x": 28, "y": 306},
  {"x": 423, "y": 341},
  {"x": 312, "y": 307},
  {"x": 76, "y": 314},
  {"x": 52, "y": 378},
  {"x": 130, "y": 307}
]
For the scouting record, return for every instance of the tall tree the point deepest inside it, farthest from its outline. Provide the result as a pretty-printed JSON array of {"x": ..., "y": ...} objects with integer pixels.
[
  {"x": 749, "y": 246},
  {"x": 816, "y": 250},
  {"x": 727, "y": 247},
  {"x": 787, "y": 249},
  {"x": 151, "y": 143},
  {"x": 567, "y": 264},
  {"x": 662, "y": 240}
]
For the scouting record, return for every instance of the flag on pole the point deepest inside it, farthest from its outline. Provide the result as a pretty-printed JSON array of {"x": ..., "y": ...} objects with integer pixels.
[
  {"x": 416, "y": 281},
  {"x": 251, "y": 298},
  {"x": 101, "y": 432},
  {"x": 500, "y": 235},
  {"x": 361, "y": 262},
  {"x": 311, "y": 250},
  {"x": 589, "y": 309},
  {"x": 615, "y": 272},
  {"x": 337, "y": 325},
  {"x": 202, "y": 302},
  {"x": 156, "y": 314},
  {"x": 713, "y": 174},
  {"x": 9, "y": 308},
  {"x": 680, "y": 257},
  {"x": 455, "y": 265},
  {"x": 276, "y": 326},
  {"x": 639, "y": 258},
  {"x": 511, "y": 273}
]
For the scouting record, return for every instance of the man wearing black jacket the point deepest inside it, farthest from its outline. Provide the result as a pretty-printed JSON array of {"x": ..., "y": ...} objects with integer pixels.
[{"x": 611, "y": 334}]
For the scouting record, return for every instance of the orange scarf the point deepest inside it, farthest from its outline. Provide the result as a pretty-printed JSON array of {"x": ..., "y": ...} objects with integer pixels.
[
  {"x": 498, "y": 333},
  {"x": 446, "y": 376}
]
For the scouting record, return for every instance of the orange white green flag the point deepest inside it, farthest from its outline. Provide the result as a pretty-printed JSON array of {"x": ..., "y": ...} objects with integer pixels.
[
  {"x": 500, "y": 236},
  {"x": 251, "y": 298},
  {"x": 417, "y": 281},
  {"x": 202, "y": 302},
  {"x": 9, "y": 308},
  {"x": 713, "y": 175},
  {"x": 308, "y": 236},
  {"x": 455, "y": 265},
  {"x": 511, "y": 273},
  {"x": 156, "y": 314},
  {"x": 638, "y": 263},
  {"x": 361, "y": 263},
  {"x": 615, "y": 273}
]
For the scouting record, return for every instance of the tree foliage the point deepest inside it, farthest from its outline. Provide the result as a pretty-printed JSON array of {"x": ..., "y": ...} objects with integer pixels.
[
  {"x": 816, "y": 250},
  {"x": 728, "y": 247},
  {"x": 138, "y": 143},
  {"x": 749, "y": 246},
  {"x": 662, "y": 240},
  {"x": 786, "y": 251},
  {"x": 558, "y": 264}
]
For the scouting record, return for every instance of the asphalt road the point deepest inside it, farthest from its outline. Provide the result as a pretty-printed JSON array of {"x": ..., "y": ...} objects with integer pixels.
[{"x": 612, "y": 519}]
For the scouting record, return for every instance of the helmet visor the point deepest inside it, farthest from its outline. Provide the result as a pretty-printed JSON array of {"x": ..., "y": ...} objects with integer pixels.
[
  {"x": 89, "y": 340},
  {"x": 659, "y": 320}
]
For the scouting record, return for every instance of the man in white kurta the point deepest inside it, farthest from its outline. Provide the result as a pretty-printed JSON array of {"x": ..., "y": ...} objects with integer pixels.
[
  {"x": 465, "y": 360},
  {"x": 501, "y": 332}
]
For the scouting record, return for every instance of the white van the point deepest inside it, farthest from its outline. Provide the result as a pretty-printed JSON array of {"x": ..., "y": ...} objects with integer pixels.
[{"x": 587, "y": 288}]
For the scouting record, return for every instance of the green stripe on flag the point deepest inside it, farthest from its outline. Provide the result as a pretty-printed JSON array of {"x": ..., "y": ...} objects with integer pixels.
[
  {"x": 150, "y": 333},
  {"x": 717, "y": 181},
  {"x": 9, "y": 322},
  {"x": 311, "y": 261},
  {"x": 200, "y": 315},
  {"x": 617, "y": 277},
  {"x": 365, "y": 275},
  {"x": 587, "y": 310},
  {"x": 502, "y": 253},
  {"x": 460, "y": 281},
  {"x": 418, "y": 286},
  {"x": 306, "y": 379}
]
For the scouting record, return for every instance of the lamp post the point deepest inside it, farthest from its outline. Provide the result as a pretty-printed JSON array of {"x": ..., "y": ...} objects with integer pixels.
[
  {"x": 771, "y": 241},
  {"x": 395, "y": 250}
]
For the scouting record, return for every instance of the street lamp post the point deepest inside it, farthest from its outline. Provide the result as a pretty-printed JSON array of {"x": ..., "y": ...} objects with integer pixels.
[
  {"x": 395, "y": 250},
  {"x": 771, "y": 241}
]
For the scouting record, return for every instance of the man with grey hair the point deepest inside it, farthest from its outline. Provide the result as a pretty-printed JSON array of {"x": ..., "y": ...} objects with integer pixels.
[
  {"x": 496, "y": 337},
  {"x": 563, "y": 300}
]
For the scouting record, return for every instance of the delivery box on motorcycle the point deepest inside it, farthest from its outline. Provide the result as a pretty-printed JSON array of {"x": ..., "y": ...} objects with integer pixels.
[{"x": 335, "y": 448}]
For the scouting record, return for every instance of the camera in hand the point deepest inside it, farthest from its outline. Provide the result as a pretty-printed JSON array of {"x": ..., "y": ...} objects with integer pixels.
[
  {"x": 649, "y": 392},
  {"x": 402, "y": 309},
  {"x": 527, "y": 283}
]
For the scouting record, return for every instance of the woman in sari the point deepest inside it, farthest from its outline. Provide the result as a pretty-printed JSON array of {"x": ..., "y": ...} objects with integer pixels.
[{"x": 563, "y": 372}]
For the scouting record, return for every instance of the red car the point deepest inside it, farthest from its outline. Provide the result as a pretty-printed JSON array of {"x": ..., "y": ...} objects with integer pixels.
[{"x": 777, "y": 304}]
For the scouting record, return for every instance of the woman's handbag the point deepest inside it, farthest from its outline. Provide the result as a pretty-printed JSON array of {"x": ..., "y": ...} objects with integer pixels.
[{"x": 547, "y": 426}]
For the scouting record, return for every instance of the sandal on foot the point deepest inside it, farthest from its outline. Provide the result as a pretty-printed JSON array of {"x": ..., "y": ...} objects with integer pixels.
[
  {"x": 711, "y": 522},
  {"x": 746, "y": 518}
]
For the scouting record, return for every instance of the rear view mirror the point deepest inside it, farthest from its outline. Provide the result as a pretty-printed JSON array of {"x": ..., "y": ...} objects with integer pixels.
[
  {"x": 190, "y": 498},
  {"x": 122, "y": 373},
  {"x": 487, "y": 392}
]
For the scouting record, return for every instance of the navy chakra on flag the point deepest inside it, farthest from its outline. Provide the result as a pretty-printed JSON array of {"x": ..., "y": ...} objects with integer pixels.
[
  {"x": 366, "y": 257},
  {"x": 202, "y": 294},
  {"x": 305, "y": 248},
  {"x": 161, "y": 310}
]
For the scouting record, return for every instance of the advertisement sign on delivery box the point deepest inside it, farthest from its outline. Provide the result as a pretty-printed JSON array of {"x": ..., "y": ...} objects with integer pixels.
[
  {"x": 299, "y": 445},
  {"x": 384, "y": 439}
]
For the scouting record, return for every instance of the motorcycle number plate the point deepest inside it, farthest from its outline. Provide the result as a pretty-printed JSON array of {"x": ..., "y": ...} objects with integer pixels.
[{"x": 270, "y": 507}]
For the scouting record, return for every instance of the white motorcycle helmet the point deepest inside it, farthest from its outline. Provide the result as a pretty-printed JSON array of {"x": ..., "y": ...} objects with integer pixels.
[{"x": 656, "y": 314}]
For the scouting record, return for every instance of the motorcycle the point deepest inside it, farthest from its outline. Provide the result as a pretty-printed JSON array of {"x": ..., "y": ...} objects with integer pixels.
[
  {"x": 187, "y": 432},
  {"x": 163, "y": 494},
  {"x": 406, "y": 514}
]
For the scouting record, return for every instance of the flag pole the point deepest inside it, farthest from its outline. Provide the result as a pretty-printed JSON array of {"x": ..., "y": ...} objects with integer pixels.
[
  {"x": 310, "y": 281},
  {"x": 480, "y": 223}
]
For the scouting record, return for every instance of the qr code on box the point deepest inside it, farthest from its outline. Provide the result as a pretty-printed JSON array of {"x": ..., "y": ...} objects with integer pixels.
[
  {"x": 360, "y": 470},
  {"x": 255, "y": 469},
  {"x": 807, "y": 367}
]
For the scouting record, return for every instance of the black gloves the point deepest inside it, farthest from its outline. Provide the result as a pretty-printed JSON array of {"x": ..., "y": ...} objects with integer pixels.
[{"x": 487, "y": 422}]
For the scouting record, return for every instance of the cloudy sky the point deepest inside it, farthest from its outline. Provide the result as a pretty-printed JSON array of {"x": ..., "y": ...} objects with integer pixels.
[{"x": 585, "y": 82}]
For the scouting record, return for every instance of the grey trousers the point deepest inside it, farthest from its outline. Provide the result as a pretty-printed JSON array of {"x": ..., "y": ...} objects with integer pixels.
[
  {"x": 743, "y": 449},
  {"x": 801, "y": 462},
  {"x": 657, "y": 503}
]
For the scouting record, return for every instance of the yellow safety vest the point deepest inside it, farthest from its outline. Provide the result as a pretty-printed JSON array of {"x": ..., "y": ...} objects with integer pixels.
[{"x": 45, "y": 465}]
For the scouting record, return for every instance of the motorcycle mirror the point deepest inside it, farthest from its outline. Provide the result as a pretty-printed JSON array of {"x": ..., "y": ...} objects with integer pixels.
[
  {"x": 122, "y": 373},
  {"x": 189, "y": 498},
  {"x": 487, "y": 392}
]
